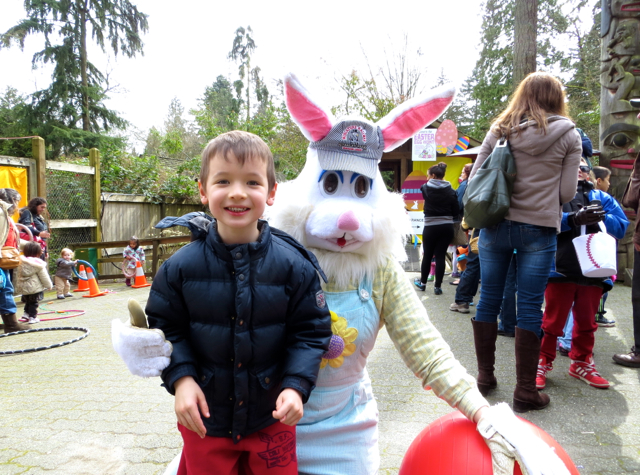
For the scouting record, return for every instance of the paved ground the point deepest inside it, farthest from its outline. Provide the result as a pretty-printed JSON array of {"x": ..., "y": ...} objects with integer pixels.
[{"x": 76, "y": 409}]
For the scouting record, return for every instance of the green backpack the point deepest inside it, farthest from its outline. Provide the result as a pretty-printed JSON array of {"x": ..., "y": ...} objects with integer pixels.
[{"x": 488, "y": 195}]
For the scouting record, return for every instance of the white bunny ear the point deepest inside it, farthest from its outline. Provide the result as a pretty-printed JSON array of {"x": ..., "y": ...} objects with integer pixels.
[
  {"x": 415, "y": 114},
  {"x": 314, "y": 122}
]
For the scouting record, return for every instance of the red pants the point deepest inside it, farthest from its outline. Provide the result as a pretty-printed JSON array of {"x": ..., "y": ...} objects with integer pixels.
[
  {"x": 271, "y": 451},
  {"x": 559, "y": 298}
]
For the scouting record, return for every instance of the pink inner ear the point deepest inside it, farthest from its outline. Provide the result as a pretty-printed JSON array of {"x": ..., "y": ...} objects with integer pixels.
[
  {"x": 413, "y": 120},
  {"x": 308, "y": 115}
]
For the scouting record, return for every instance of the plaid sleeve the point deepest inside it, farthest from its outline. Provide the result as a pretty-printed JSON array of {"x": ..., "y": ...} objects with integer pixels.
[{"x": 421, "y": 346}]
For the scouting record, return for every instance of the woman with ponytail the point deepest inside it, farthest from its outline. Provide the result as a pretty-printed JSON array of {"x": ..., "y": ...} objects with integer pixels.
[{"x": 440, "y": 209}]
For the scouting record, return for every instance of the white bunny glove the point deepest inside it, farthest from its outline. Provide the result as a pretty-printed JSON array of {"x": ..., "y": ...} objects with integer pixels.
[
  {"x": 145, "y": 351},
  {"x": 510, "y": 440}
]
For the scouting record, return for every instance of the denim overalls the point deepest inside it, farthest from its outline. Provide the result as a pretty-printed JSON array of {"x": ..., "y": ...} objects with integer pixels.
[{"x": 338, "y": 434}]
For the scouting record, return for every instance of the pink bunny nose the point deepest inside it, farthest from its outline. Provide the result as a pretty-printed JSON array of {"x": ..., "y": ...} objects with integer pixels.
[{"x": 348, "y": 221}]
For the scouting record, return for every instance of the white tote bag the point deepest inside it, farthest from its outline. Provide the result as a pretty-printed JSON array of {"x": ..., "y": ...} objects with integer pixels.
[{"x": 596, "y": 253}]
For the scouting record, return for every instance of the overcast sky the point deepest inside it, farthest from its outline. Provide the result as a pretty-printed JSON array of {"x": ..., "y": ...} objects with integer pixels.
[{"x": 188, "y": 41}]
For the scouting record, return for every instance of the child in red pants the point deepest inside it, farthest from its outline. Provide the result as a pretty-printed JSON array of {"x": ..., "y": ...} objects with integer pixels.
[
  {"x": 243, "y": 308},
  {"x": 272, "y": 450},
  {"x": 568, "y": 288}
]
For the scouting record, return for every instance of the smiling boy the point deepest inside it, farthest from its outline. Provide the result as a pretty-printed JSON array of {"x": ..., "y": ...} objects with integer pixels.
[{"x": 245, "y": 313}]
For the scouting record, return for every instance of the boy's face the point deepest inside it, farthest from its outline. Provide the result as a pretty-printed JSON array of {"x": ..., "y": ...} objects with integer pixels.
[
  {"x": 66, "y": 256},
  {"x": 603, "y": 185},
  {"x": 237, "y": 197}
]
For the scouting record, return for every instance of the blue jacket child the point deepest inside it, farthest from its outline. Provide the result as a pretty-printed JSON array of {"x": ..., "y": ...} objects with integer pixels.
[
  {"x": 246, "y": 321},
  {"x": 566, "y": 266}
]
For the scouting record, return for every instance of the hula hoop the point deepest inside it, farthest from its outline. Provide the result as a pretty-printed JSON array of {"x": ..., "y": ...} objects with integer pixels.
[
  {"x": 25, "y": 228},
  {"x": 85, "y": 263},
  {"x": 125, "y": 270},
  {"x": 78, "y": 314},
  {"x": 40, "y": 348}
]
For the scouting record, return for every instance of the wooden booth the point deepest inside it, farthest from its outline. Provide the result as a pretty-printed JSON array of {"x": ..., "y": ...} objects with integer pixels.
[{"x": 398, "y": 164}]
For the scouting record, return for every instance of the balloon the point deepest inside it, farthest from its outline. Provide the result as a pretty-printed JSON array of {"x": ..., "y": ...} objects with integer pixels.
[{"x": 451, "y": 445}]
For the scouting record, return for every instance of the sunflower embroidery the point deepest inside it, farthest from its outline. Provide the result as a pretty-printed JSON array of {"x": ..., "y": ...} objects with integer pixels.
[{"x": 341, "y": 344}]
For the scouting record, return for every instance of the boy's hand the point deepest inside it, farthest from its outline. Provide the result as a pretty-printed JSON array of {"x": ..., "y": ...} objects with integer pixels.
[
  {"x": 190, "y": 398},
  {"x": 289, "y": 407}
]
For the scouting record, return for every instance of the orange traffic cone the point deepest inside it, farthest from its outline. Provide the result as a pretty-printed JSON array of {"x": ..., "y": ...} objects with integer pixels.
[
  {"x": 83, "y": 285},
  {"x": 141, "y": 280},
  {"x": 94, "y": 290}
]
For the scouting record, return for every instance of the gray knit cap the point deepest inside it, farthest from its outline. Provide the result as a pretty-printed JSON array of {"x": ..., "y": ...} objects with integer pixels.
[{"x": 351, "y": 145}]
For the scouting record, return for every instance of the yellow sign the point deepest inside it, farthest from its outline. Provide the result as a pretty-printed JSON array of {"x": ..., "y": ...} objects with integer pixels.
[{"x": 16, "y": 178}]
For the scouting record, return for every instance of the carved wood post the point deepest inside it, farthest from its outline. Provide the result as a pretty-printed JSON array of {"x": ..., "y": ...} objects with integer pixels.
[{"x": 620, "y": 81}]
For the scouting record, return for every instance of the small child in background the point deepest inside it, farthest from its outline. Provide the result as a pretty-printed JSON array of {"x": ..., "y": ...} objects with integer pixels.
[
  {"x": 132, "y": 254},
  {"x": 64, "y": 266},
  {"x": 31, "y": 279},
  {"x": 602, "y": 175}
]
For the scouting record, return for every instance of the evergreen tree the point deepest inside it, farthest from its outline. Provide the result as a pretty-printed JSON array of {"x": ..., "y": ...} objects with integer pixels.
[
  {"x": 70, "y": 113},
  {"x": 221, "y": 106},
  {"x": 583, "y": 90},
  {"x": 462, "y": 110},
  {"x": 243, "y": 46},
  {"x": 12, "y": 107},
  {"x": 179, "y": 140},
  {"x": 492, "y": 78},
  {"x": 524, "y": 38}
]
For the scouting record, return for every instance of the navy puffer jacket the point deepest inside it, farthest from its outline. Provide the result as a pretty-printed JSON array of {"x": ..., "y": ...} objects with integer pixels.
[{"x": 245, "y": 321}]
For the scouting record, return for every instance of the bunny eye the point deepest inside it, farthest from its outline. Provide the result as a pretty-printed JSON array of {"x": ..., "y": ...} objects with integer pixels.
[
  {"x": 361, "y": 187},
  {"x": 330, "y": 182}
]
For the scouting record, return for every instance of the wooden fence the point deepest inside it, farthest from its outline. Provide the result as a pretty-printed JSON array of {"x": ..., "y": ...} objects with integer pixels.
[
  {"x": 123, "y": 216},
  {"x": 157, "y": 255}
]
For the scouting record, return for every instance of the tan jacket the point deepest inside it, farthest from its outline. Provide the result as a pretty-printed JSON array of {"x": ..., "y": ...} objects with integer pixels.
[
  {"x": 31, "y": 276},
  {"x": 546, "y": 170}
]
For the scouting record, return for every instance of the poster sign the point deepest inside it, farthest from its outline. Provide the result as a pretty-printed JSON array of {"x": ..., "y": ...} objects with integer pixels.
[
  {"x": 417, "y": 221},
  {"x": 413, "y": 199},
  {"x": 424, "y": 146}
]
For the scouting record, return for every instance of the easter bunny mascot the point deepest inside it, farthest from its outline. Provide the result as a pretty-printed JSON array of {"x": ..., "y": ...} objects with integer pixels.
[{"x": 339, "y": 208}]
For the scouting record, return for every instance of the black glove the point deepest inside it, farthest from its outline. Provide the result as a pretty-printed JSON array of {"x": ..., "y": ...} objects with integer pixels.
[{"x": 591, "y": 214}]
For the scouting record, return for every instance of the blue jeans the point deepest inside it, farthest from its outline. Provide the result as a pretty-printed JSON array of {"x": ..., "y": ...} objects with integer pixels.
[
  {"x": 507, "y": 321},
  {"x": 603, "y": 300},
  {"x": 536, "y": 248},
  {"x": 468, "y": 286},
  {"x": 565, "y": 340},
  {"x": 7, "y": 304}
]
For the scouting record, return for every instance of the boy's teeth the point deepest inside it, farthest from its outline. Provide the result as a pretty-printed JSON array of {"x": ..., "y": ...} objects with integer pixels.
[{"x": 237, "y": 209}]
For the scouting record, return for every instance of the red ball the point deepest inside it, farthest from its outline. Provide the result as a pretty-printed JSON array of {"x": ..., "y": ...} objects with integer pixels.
[{"x": 451, "y": 445}]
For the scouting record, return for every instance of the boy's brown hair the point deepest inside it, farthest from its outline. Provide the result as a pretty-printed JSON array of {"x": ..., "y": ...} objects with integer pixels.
[{"x": 241, "y": 145}]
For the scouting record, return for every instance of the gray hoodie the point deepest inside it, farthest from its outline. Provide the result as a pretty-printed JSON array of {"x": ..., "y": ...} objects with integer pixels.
[{"x": 546, "y": 170}]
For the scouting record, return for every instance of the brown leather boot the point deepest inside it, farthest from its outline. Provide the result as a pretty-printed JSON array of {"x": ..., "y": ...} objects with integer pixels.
[
  {"x": 11, "y": 323},
  {"x": 526, "y": 396},
  {"x": 484, "y": 337},
  {"x": 630, "y": 359}
]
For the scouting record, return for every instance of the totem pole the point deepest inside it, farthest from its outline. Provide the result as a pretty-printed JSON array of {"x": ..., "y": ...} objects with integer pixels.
[{"x": 620, "y": 80}]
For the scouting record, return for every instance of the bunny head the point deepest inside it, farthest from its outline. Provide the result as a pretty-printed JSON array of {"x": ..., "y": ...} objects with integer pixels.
[{"x": 339, "y": 206}]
